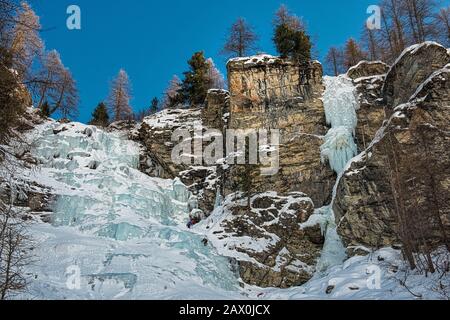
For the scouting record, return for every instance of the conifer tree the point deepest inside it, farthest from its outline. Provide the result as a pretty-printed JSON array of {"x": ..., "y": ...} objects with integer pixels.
[
  {"x": 100, "y": 116},
  {"x": 290, "y": 37},
  {"x": 154, "y": 107},
  {"x": 196, "y": 81}
]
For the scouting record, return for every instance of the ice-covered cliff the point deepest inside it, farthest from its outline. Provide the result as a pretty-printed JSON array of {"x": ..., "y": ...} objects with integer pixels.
[{"x": 123, "y": 231}]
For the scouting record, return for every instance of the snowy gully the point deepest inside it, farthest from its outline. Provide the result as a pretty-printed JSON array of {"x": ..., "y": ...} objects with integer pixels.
[{"x": 228, "y": 310}]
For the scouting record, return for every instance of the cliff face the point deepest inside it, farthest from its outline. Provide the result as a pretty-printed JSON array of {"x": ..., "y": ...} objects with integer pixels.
[
  {"x": 369, "y": 78},
  {"x": 389, "y": 184},
  {"x": 271, "y": 93},
  {"x": 401, "y": 183}
]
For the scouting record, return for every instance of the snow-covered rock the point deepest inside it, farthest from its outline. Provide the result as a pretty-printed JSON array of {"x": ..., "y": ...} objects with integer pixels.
[{"x": 272, "y": 249}]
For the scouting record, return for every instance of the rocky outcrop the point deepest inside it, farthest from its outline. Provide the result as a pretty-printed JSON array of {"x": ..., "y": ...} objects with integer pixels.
[
  {"x": 155, "y": 134},
  {"x": 216, "y": 111},
  {"x": 367, "y": 69},
  {"x": 29, "y": 199},
  {"x": 387, "y": 188},
  {"x": 411, "y": 69},
  {"x": 271, "y": 93},
  {"x": 401, "y": 184},
  {"x": 203, "y": 182},
  {"x": 369, "y": 78},
  {"x": 371, "y": 113},
  {"x": 267, "y": 240}
]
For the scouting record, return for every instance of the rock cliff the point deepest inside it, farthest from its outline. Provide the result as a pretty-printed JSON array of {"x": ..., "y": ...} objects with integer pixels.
[
  {"x": 402, "y": 127},
  {"x": 271, "y": 93},
  {"x": 401, "y": 182}
]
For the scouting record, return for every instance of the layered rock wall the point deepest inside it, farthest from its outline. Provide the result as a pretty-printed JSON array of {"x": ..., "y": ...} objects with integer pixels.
[{"x": 271, "y": 93}]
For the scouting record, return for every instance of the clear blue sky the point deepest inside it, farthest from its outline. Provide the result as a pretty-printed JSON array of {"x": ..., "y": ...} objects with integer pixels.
[{"x": 152, "y": 40}]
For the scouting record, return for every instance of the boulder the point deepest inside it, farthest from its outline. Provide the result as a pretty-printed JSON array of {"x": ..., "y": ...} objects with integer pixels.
[{"x": 367, "y": 69}]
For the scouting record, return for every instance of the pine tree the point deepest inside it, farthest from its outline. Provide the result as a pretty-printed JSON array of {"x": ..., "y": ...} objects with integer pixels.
[
  {"x": 100, "y": 116},
  {"x": 241, "y": 40},
  {"x": 196, "y": 81},
  {"x": 290, "y": 37},
  {"x": 154, "y": 107},
  {"x": 119, "y": 97}
]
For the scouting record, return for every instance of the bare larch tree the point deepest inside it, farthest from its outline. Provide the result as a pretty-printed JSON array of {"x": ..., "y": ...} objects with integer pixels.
[
  {"x": 170, "y": 95},
  {"x": 216, "y": 78},
  {"x": 55, "y": 85},
  {"x": 335, "y": 61},
  {"x": 241, "y": 40},
  {"x": 119, "y": 97},
  {"x": 26, "y": 42}
]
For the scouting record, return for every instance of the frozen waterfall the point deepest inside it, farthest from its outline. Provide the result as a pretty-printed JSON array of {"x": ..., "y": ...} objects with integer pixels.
[
  {"x": 123, "y": 231},
  {"x": 340, "y": 104}
]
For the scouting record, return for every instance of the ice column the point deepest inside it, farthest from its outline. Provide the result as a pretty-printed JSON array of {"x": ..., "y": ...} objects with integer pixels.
[{"x": 340, "y": 102}]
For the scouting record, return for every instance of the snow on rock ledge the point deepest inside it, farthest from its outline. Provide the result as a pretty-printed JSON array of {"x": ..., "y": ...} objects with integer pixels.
[{"x": 367, "y": 69}]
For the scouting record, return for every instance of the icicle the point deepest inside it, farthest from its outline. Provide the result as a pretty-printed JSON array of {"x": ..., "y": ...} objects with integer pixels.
[
  {"x": 333, "y": 252},
  {"x": 339, "y": 148},
  {"x": 219, "y": 199},
  {"x": 340, "y": 104}
]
